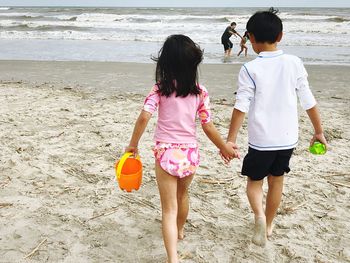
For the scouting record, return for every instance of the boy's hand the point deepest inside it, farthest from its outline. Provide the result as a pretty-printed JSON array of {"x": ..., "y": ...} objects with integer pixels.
[
  {"x": 229, "y": 152},
  {"x": 320, "y": 138},
  {"x": 235, "y": 147}
]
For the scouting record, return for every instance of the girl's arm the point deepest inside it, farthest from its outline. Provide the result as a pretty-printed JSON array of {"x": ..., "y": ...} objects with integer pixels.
[
  {"x": 227, "y": 151},
  {"x": 140, "y": 126}
]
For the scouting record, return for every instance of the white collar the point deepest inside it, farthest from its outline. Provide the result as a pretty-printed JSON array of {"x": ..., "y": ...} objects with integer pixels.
[{"x": 270, "y": 54}]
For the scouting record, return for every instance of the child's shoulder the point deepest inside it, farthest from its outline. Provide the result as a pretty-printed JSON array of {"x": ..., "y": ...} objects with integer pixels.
[
  {"x": 283, "y": 58},
  {"x": 293, "y": 63},
  {"x": 203, "y": 90},
  {"x": 292, "y": 58},
  {"x": 155, "y": 88}
]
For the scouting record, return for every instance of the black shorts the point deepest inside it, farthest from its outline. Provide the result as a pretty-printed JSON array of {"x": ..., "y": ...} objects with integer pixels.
[
  {"x": 227, "y": 44},
  {"x": 259, "y": 164}
]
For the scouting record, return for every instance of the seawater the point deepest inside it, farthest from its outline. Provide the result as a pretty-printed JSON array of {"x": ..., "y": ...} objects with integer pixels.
[{"x": 317, "y": 35}]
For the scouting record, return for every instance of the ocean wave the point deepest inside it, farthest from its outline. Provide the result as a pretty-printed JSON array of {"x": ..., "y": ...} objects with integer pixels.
[
  {"x": 67, "y": 33},
  {"x": 5, "y": 8},
  {"x": 149, "y": 25},
  {"x": 20, "y": 14},
  {"x": 313, "y": 18},
  {"x": 28, "y": 27},
  {"x": 306, "y": 17},
  {"x": 156, "y": 26},
  {"x": 108, "y": 17},
  {"x": 26, "y": 17},
  {"x": 74, "y": 18},
  {"x": 36, "y": 16},
  {"x": 338, "y": 19},
  {"x": 149, "y": 8}
]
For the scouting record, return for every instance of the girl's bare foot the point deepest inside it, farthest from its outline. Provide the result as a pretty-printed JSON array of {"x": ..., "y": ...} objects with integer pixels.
[{"x": 259, "y": 236}]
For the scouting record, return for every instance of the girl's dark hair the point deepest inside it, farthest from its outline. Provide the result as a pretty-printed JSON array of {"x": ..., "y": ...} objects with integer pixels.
[
  {"x": 265, "y": 26},
  {"x": 246, "y": 34},
  {"x": 177, "y": 64}
]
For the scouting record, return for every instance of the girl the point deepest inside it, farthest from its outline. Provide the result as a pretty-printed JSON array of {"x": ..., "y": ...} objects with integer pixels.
[
  {"x": 179, "y": 99},
  {"x": 243, "y": 43}
]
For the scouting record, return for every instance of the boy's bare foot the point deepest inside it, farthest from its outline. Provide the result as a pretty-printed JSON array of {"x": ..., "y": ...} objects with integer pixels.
[
  {"x": 259, "y": 236},
  {"x": 180, "y": 234},
  {"x": 269, "y": 230}
]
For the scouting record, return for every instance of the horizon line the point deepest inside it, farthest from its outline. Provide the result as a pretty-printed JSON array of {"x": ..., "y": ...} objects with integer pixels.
[{"x": 109, "y": 6}]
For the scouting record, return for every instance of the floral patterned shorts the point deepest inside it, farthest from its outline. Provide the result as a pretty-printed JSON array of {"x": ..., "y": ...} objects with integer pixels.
[{"x": 179, "y": 160}]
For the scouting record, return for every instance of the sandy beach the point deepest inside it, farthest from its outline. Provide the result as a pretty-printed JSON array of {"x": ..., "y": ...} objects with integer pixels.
[{"x": 63, "y": 125}]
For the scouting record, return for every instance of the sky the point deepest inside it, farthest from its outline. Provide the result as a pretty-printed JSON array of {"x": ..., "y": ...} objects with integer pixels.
[{"x": 181, "y": 3}]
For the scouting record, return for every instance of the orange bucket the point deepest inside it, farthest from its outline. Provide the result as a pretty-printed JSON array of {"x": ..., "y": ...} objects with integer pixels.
[{"x": 129, "y": 172}]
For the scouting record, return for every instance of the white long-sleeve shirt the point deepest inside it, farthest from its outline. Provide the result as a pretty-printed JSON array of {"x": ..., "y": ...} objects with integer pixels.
[{"x": 268, "y": 87}]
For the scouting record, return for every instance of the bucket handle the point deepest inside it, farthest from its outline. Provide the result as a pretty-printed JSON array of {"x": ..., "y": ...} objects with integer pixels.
[{"x": 122, "y": 161}]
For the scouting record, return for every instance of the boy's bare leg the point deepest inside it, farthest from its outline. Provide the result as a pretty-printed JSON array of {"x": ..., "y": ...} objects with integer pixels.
[
  {"x": 182, "y": 203},
  {"x": 255, "y": 197},
  {"x": 167, "y": 186},
  {"x": 273, "y": 200}
]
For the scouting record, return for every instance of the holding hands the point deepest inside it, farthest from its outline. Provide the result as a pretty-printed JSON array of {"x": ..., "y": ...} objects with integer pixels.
[{"x": 229, "y": 152}]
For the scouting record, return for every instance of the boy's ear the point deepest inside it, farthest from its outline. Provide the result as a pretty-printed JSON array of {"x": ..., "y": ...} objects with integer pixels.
[
  {"x": 279, "y": 37},
  {"x": 251, "y": 38}
]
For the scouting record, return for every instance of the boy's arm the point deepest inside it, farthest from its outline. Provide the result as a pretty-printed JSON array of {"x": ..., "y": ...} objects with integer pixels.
[
  {"x": 308, "y": 103},
  {"x": 236, "y": 123},
  {"x": 245, "y": 93},
  {"x": 139, "y": 128},
  {"x": 315, "y": 118}
]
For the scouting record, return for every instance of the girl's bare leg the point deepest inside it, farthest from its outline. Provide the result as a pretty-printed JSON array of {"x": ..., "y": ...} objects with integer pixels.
[
  {"x": 167, "y": 185},
  {"x": 183, "y": 203},
  {"x": 240, "y": 51},
  {"x": 255, "y": 197}
]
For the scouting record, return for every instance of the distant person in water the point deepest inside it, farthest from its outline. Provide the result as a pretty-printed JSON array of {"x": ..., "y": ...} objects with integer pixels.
[
  {"x": 243, "y": 44},
  {"x": 225, "y": 38}
]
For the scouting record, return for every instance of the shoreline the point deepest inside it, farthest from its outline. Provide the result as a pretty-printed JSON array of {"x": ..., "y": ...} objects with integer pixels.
[{"x": 220, "y": 79}]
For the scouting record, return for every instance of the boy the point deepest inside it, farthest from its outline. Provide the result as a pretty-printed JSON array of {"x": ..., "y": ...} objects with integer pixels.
[
  {"x": 268, "y": 88},
  {"x": 225, "y": 38}
]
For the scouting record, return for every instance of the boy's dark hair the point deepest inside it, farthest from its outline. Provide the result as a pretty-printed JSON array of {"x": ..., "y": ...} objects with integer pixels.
[
  {"x": 233, "y": 24},
  {"x": 177, "y": 64},
  {"x": 265, "y": 26}
]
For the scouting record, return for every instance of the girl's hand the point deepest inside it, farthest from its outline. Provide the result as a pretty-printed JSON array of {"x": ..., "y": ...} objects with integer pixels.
[
  {"x": 225, "y": 158},
  {"x": 229, "y": 152},
  {"x": 132, "y": 149}
]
